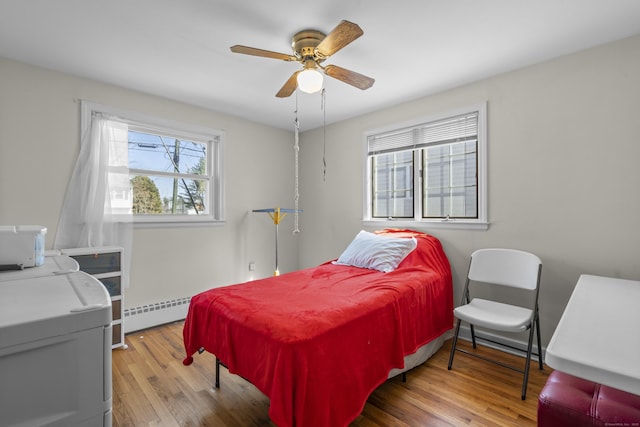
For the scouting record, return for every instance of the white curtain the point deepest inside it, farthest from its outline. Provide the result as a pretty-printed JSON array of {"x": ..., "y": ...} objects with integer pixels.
[{"x": 97, "y": 207}]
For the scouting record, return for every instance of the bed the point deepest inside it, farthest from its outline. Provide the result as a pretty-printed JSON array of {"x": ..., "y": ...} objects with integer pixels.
[{"x": 318, "y": 341}]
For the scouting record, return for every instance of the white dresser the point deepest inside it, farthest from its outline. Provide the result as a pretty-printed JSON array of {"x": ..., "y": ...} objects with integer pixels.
[{"x": 105, "y": 264}]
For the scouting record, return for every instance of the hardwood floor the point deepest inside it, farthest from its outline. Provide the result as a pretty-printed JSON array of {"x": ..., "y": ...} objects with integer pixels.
[{"x": 151, "y": 387}]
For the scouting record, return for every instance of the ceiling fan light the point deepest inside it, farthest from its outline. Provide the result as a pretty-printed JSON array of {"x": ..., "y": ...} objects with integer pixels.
[{"x": 310, "y": 81}]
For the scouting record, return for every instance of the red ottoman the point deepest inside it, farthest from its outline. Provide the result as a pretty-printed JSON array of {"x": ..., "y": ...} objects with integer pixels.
[{"x": 568, "y": 401}]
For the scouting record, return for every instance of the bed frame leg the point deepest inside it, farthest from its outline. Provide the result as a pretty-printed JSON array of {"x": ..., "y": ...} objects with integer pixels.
[
  {"x": 217, "y": 373},
  {"x": 404, "y": 377}
]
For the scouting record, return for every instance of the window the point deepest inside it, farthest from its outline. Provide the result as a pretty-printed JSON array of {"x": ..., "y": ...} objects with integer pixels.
[
  {"x": 429, "y": 171},
  {"x": 174, "y": 170}
]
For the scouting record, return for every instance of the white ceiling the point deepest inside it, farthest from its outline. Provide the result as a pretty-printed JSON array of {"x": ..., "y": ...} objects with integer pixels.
[{"x": 179, "y": 49}]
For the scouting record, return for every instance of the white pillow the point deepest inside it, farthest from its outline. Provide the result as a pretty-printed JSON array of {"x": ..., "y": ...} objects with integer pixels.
[{"x": 382, "y": 253}]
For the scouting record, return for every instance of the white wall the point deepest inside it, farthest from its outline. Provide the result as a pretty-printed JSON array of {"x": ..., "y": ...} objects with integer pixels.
[
  {"x": 39, "y": 142},
  {"x": 564, "y": 173}
]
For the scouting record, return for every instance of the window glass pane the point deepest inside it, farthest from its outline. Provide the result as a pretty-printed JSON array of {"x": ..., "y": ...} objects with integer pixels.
[
  {"x": 392, "y": 185},
  {"x": 154, "y": 195},
  {"x": 450, "y": 180},
  {"x": 167, "y": 154}
]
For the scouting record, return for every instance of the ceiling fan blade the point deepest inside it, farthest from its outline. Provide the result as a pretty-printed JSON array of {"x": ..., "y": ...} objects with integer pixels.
[
  {"x": 289, "y": 86},
  {"x": 350, "y": 77},
  {"x": 261, "y": 52},
  {"x": 343, "y": 34}
]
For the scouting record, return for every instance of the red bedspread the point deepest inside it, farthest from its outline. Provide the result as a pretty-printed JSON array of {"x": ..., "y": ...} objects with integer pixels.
[{"x": 318, "y": 341}]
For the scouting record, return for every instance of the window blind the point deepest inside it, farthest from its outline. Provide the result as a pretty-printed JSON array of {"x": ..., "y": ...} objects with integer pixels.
[{"x": 452, "y": 129}]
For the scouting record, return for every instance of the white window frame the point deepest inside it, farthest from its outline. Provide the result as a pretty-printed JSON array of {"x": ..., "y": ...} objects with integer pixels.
[
  {"x": 215, "y": 141},
  {"x": 479, "y": 223}
]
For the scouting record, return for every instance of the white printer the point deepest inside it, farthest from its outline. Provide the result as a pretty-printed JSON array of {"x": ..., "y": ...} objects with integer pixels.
[{"x": 55, "y": 347}]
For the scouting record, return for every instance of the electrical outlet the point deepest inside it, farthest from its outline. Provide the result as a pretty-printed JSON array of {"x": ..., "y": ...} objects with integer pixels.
[{"x": 252, "y": 266}]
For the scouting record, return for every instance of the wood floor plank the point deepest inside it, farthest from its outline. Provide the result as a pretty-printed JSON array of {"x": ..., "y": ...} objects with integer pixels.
[{"x": 151, "y": 387}]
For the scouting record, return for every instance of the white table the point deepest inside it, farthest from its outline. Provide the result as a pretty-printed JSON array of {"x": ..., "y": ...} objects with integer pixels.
[{"x": 598, "y": 336}]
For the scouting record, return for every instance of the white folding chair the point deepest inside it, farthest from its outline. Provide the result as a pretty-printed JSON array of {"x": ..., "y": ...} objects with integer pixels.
[{"x": 501, "y": 267}]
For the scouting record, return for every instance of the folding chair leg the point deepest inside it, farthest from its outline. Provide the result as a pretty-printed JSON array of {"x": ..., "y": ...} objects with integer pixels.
[
  {"x": 453, "y": 344},
  {"x": 473, "y": 336},
  {"x": 525, "y": 380},
  {"x": 540, "y": 360}
]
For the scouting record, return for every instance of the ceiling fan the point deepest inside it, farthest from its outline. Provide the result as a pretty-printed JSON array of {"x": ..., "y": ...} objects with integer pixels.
[{"x": 311, "y": 48}]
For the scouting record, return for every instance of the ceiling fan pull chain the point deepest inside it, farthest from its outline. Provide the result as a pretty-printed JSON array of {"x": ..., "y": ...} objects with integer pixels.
[
  {"x": 296, "y": 150},
  {"x": 324, "y": 134}
]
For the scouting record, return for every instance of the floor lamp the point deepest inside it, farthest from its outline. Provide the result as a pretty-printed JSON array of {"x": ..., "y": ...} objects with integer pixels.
[{"x": 277, "y": 214}]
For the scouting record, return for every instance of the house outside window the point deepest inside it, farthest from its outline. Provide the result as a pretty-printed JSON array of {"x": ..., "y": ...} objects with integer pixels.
[{"x": 429, "y": 172}]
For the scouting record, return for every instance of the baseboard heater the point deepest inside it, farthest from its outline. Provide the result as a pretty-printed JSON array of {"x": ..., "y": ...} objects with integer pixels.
[{"x": 147, "y": 316}]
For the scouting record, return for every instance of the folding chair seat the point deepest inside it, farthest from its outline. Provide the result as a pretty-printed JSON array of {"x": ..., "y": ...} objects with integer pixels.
[{"x": 497, "y": 267}]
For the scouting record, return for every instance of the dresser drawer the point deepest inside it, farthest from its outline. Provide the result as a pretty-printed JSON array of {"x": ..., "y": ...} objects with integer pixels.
[
  {"x": 99, "y": 263},
  {"x": 116, "y": 309},
  {"x": 117, "y": 336},
  {"x": 113, "y": 285}
]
